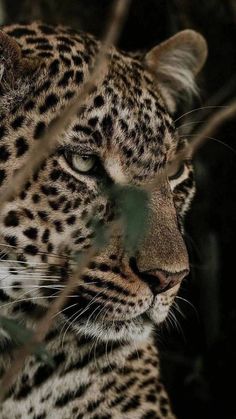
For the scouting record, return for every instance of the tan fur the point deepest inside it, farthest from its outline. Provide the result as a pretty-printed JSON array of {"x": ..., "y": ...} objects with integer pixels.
[{"x": 103, "y": 346}]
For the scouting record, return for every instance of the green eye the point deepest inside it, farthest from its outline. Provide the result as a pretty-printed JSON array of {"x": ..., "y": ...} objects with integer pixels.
[{"x": 82, "y": 163}]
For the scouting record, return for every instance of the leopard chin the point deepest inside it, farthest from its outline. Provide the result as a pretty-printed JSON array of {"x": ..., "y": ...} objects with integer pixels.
[{"x": 138, "y": 328}]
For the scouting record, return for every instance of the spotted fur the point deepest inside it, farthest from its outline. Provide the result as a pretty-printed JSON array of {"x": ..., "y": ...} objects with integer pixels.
[{"x": 105, "y": 362}]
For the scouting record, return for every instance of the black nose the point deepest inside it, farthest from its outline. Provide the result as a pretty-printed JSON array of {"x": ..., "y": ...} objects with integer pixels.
[{"x": 158, "y": 279}]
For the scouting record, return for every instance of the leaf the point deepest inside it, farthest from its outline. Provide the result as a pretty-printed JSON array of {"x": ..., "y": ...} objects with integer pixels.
[
  {"x": 17, "y": 332},
  {"x": 131, "y": 204},
  {"x": 21, "y": 335}
]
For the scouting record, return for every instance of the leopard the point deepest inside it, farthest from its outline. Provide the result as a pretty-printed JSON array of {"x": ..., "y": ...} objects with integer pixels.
[{"x": 106, "y": 363}]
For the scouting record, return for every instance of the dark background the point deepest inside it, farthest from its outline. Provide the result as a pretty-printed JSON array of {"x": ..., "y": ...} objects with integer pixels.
[{"x": 198, "y": 355}]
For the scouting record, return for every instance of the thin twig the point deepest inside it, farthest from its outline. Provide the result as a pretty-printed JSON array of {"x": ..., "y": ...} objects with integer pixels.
[
  {"x": 44, "y": 325},
  {"x": 57, "y": 127},
  {"x": 211, "y": 125}
]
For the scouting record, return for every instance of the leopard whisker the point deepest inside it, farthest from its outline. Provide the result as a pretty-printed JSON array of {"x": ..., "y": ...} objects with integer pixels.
[
  {"x": 198, "y": 109},
  {"x": 76, "y": 315},
  {"x": 213, "y": 139}
]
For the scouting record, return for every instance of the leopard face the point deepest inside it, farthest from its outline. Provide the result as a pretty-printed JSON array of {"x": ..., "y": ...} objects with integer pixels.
[{"x": 124, "y": 136}]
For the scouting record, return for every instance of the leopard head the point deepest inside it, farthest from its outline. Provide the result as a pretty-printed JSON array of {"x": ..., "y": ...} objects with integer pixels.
[{"x": 124, "y": 136}]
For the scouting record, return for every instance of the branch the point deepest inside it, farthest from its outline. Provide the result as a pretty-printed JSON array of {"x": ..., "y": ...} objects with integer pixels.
[{"x": 36, "y": 156}]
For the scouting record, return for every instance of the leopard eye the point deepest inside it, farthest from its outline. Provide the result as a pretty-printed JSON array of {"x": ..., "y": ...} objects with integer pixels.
[
  {"x": 176, "y": 171},
  {"x": 82, "y": 163}
]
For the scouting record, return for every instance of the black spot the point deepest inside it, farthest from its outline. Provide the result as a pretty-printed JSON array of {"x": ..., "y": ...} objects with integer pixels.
[
  {"x": 127, "y": 151},
  {"x": 132, "y": 404},
  {"x": 45, "y": 236},
  {"x": 77, "y": 60},
  {"x": 104, "y": 267},
  {"x": 19, "y": 32},
  {"x": 2, "y": 176},
  {"x": 4, "y": 153},
  {"x": 31, "y": 232},
  {"x": 79, "y": 77},
  {"x": 45, "y": 371},
  {"x": 54, "y": 205},
  {"x": 29, "y": 105},
  {"x": 82, "y": 128},
  {"x": 54, "y": 68},
  {"x": 23, "y": 392},
  {"x": 12, "y": 219},
  {"x": 2, "y": 132},
  {"x": 17, "y": 123},
  {"x": 49, "y": 247},
  {"x": 50, "y": 101},
  {"x": 45, "y": 54},
  {"x": 97, "y": 138},
  {"x": 58, "y": 226},
  {"x": 65, "y": 79},
  {"x": 43, "y": 215},
  {"x": 11, "y": 240},
  {"x": 21, "y": 146},
  {"x": 36, "y": 40},
  {"x": 71, "y": 395},
  {"x": 23, "y": 195},
  {"x": 3, "y": 297},
  {"x": 98, "y": 101},
  {"x": 40, "y": 416},
  {"x": 65, "y": 40},
  {"x": 29, "y": 213},
  {"x": 31, "y": 249},
  {"x": 55, "y": 174},
  {"x": 68, "y": 95},
  {"x": 39, "y": 130},
  {"x": 48, "y": 190},
  {"x": 63, "y": 48},
  {"x": 92, "y": 406},
  {"x": 71, "y": 220},
  {"x": 151, "y": 414},
  {"x": 152, "y": 398},
  {"x": 44, "y": 47},
  {"x": 107, "y": 125},
  {"x": 47, "y": 30},
  {"x": 93, "y": 121},
  {"x": 35, "y": 198},
  {"x": 65, "y": 60},
  {"x": 43, "y": 88}
]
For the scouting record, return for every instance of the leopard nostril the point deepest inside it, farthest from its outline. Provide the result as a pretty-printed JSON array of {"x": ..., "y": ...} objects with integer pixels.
[{"x": 159, "y": 280}]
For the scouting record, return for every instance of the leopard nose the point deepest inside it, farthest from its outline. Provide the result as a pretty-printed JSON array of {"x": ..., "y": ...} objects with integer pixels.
[{"x": 159, "y": 280}]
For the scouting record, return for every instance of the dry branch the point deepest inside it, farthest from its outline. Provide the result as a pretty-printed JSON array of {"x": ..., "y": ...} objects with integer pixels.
[{"x": 37, "y": 155}]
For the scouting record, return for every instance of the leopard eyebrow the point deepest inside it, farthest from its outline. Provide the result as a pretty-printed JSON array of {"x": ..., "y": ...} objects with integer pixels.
[{"x": 78, "y": 149}]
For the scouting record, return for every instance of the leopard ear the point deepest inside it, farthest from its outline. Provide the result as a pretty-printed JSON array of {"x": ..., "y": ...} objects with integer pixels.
[
  {"x": 10, "y": 56},
  {"x": 175, "y": 63},
  {"x": 12, "y": 64},
  {"x": 15, "y": 72}
]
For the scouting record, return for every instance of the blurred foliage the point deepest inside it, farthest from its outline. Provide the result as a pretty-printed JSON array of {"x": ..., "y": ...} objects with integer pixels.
[
  {"x": 199, "y": 365},
  {"x": 20, "y": 335},
  {"x": 131, "y": 206}
]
